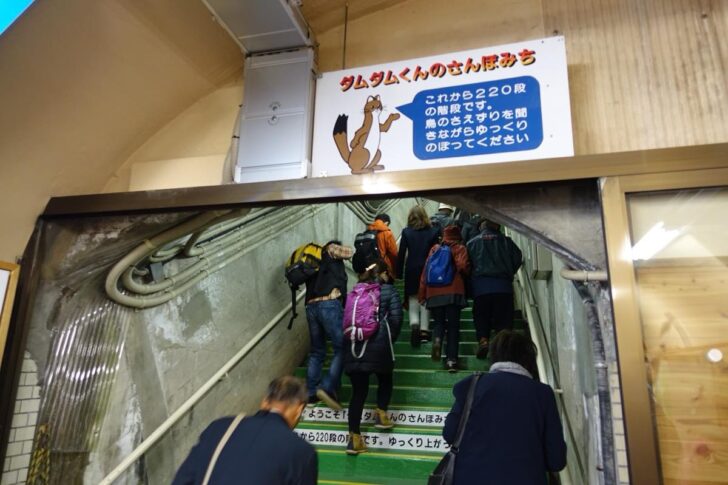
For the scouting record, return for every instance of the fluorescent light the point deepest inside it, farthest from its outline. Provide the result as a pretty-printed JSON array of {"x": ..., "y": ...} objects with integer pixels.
[
  {"x": 714, "y": 355},
  {"x": 654, "y": 241}
]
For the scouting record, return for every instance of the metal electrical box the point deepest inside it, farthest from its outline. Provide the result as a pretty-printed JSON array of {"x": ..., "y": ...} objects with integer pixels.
[
  {"x": 276, "y": 118},
  {"x": 541, "y": 264}
]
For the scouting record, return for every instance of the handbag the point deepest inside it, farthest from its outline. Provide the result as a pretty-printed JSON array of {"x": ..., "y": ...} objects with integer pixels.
[
  {"x": 443, "y": 472},
  {"x": 220, "y": 446}
]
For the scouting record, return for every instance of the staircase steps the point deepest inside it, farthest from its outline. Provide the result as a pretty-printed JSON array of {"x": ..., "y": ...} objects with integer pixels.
[{"x": 421, "y": 399}]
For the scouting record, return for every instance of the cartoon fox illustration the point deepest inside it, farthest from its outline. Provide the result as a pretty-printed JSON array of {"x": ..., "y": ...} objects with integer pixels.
[{"x": 364, "y": 155}]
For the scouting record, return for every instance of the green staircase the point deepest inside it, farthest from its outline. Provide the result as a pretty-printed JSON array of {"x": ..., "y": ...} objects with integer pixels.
[{"x": 421, "y": 399}]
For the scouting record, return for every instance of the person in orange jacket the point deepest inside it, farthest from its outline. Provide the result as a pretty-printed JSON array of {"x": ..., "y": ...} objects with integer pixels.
[{"x": 385, "y": 242}]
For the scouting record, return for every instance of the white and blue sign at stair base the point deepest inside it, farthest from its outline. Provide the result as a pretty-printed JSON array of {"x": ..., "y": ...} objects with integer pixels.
[
  {"x": 399, "y": 417},
  {"x": 393, "y": 440},
  {"x": 496, "y": 104}
]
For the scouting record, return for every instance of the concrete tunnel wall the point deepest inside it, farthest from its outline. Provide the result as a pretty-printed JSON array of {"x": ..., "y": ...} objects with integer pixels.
[
  {"x": 172, "y": 349},
  {"x": 560, "y": 324},
  {"x": 564, "y": 218}
]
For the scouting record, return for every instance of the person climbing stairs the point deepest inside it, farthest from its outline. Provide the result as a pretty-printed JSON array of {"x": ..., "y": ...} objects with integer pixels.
[{"x": 421, "y": 399}]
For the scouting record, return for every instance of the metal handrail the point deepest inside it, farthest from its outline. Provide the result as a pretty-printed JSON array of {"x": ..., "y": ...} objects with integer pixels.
[
  {"x": 217, "y": 377},
  {"x": 530, "y": 302}
]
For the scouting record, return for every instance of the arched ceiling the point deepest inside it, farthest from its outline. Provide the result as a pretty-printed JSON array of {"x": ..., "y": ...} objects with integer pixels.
[
  {"x": 324, "y": 15},
  {"x": 84, "y": 83}
]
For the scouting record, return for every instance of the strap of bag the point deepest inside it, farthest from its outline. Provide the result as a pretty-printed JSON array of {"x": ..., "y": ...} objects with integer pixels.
[
  {"x": 466, "y": 412},
  {"x": 293, "y": 307},
  {"x": 220, "y": 446},
  {"x": 389, "y": 332}
]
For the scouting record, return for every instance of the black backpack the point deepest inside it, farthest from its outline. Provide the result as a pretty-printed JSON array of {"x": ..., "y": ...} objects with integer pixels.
[
  {"x": 303, "y": 264},
  {"x": 366, "y": 250}
]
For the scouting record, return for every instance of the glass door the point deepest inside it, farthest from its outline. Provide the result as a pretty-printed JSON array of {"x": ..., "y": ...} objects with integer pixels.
[{"x": 667, "y": 239}]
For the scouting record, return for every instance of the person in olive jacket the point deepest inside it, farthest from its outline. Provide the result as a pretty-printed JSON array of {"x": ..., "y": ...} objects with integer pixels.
[
  {"x": 446, "y": 302},
  {"x": 378, "y": 358}
]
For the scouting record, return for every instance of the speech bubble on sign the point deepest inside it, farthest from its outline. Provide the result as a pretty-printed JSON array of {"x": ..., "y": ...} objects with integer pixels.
[{"x": 476, "y": 119}]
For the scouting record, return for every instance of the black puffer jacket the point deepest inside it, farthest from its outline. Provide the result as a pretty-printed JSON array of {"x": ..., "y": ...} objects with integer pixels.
[
  {"x": 378, "y": 354},
  {"x": 414, "y": 246}
]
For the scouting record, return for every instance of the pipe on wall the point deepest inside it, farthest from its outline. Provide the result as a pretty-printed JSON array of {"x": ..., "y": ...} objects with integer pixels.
[
  {"x": 583, "y": 275},
  {"x": 601, "y": 368},
  {"x": 211, "y": 259}
]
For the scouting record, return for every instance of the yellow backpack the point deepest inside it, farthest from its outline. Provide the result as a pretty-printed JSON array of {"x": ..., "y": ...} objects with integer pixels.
[{"x": 303, "y": 264}]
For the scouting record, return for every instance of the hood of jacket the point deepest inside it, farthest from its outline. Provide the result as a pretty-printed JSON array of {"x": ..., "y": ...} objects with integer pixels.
[
  {"x": 452, "y": 234},
  {"x": 378, "y": 226}
]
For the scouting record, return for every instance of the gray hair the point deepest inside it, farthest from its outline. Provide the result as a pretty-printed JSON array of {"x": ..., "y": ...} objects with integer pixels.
[{"x": 287, "y": 389}]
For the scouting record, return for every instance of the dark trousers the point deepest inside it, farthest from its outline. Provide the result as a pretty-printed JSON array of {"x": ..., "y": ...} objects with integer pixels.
[
  {"x": 359, "y": 391},
  {"x": 492, "y": 312},
  {"x": 324, "y": 320},
  {"x": 447, "y": 321}
]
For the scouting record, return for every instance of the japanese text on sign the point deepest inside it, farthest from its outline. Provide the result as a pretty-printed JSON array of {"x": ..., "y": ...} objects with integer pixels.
[
  {"x": 392, "y": 441},
  {"x": 476, "y": 119},
  {"x": 490, "y": 62}
]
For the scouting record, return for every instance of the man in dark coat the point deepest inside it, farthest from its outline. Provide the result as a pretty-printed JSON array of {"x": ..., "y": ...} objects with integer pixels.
[
  {"x": 262, "y": 449},
  {"x": 513, "y": 435},
  {"x": 495, "y": 258}
]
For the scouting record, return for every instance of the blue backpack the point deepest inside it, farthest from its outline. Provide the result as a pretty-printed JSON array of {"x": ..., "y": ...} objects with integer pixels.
[{"x": 440, "y": 268}]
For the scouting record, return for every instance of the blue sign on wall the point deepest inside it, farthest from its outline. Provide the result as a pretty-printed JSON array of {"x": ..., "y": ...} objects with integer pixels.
[
  {"x": 10, "y": 10},
  {"x": 476, "y": 119}
]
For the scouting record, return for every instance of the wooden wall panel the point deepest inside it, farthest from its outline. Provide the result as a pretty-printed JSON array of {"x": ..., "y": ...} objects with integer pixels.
[
  {"x": 644, "y": 74},
  {"x": 684, "y": 314},
  {"x": 418, "y": 28}
]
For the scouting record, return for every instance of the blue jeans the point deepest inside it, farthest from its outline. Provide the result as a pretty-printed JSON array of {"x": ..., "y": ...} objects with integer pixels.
[{"x": 325, "y": 319}]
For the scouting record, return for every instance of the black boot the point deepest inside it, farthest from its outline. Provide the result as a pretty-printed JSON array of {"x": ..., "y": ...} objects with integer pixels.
[
  {"x": 436, "y": 349},
  {"x": 415, "y": 336}
]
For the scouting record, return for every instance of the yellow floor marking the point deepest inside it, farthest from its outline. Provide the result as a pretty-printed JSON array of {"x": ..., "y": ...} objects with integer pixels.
[
  {"x": 345, "y": 483},
  {"x": 386, "y": 455}
]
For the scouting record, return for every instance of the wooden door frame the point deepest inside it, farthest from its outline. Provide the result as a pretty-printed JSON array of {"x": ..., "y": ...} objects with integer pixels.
[
  {"x": 6, "y": 302},
  {"x": 641, "y": 435},
  {"x": 615, "y": 166}
]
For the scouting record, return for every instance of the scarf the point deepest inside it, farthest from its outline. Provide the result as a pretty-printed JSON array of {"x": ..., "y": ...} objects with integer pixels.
[{"x": 511, "y": 367}]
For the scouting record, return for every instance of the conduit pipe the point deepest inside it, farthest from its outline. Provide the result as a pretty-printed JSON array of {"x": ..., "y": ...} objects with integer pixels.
[
  {"x": 175, "y": 285},
  {"x": 190, "y": 248},
  {"x": 238, "y": 216},
  {"x": 158, "y": 433},
  {"x": 152, "y": 245},
  {"x": 209, "y": 257},
  {"x": 231, "y": 157},
  {"x": 601, "y": 367},
  {"x": 583, "y": 275}
]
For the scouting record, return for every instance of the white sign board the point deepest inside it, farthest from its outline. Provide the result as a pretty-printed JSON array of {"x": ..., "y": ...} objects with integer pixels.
[
  {"x": 489, "y": 105},
  {"x": 381, "y": 440},
  {"x": 401, "y": 417},
  {"x": 4, "y": 283}
]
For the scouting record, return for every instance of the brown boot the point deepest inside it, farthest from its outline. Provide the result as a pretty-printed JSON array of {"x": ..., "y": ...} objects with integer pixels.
[
  {"x": 356, "y": 444},
  {"x": 381, "y": 419}
]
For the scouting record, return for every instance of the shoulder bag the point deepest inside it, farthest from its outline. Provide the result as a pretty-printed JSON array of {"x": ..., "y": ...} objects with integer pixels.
[
  {"x": 220, "y": 446},
  {"x": 443, "y": 473}
]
